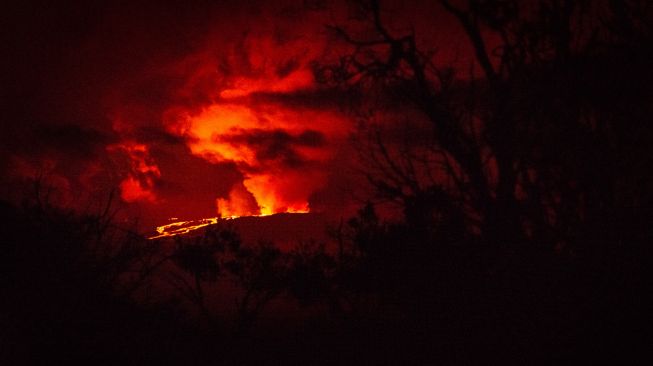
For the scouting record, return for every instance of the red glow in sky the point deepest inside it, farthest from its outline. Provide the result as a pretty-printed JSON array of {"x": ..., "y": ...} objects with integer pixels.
[
  {"x": 186, "y": 110},
  {"x": 233, "y": 106}
]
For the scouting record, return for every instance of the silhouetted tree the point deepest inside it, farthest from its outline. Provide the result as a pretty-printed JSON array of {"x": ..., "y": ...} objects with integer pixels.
[
  {"x": 260, "y": 272},
  {"x": 498, "y": 136},
  {"x": 70, "y": 283},
  {"x": 516, "y": 175},
  {"x": 202, "y": 258}
]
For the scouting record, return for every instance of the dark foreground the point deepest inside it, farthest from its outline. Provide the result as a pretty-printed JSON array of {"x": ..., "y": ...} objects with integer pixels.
[{"x": 65, "y": 300}]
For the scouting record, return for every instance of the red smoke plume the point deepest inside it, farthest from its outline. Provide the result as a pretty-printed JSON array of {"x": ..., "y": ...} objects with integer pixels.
[
  {"x": 190, "y": 109},
  {"x": 234, "y": 102}
]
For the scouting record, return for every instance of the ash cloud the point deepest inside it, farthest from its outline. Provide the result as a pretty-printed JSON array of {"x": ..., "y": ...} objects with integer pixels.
[
  {"x": 277, "y": 145},
  {"x": 83, "y": 78}
]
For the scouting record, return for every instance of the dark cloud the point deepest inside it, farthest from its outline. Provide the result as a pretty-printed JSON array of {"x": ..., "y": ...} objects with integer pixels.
[
  {"x": 314, "y": 98},
  {"x": 276, "y": 145},
  {"x": 73, "y": 141},
  {"x": 287, "y": 67},
  {"x": 157, "y": 135}
]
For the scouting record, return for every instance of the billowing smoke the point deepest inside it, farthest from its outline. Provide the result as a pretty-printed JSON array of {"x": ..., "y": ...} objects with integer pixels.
[
  {"x": 217, "y": 111},
  {"x": 184, "y": 110}
]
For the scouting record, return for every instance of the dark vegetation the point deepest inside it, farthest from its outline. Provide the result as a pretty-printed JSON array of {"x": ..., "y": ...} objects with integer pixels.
[{"x": 524, "y": 234}]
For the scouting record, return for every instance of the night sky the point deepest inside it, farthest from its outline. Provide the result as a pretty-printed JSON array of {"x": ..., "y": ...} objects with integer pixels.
[
  {"x": 467, "y": 176},
  {"x": 186, "y": 110}
]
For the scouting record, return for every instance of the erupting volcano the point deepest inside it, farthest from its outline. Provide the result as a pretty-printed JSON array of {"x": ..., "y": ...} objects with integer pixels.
[
  {"x": 236, "y": 127},
  {"x": 190, "y": 118}
]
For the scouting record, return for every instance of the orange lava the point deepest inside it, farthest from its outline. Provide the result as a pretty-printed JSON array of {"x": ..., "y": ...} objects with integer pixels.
[{"x": 184, "y": 227}]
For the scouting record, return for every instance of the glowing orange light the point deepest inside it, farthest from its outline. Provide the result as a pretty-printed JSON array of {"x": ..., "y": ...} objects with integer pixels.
[
  {"x": 268, "y": 186},
  {"x": 220, "y": 132},
  {"x": 184, "y": 227},
  {"x": 216, "y": 121}
]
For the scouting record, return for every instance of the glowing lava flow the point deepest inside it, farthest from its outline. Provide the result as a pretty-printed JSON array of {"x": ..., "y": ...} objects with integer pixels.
[
  {"x": 184, "y": 227},
  {"x": 252, "y": 119}
]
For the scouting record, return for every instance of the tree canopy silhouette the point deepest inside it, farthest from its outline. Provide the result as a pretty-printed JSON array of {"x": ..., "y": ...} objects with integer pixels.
[{"x": 524, "y": 181}]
